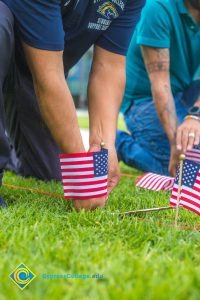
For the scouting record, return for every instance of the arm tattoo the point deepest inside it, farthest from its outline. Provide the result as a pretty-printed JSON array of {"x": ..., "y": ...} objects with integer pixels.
[
  {"x": 156, "y": 59},
  {"x": 169, "y": 109},
  {"x": 158, "y": 66},
  {"x": 162, "y": 53}
]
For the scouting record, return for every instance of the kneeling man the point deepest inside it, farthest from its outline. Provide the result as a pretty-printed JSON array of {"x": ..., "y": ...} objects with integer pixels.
[{"x": 161, "y": 105}]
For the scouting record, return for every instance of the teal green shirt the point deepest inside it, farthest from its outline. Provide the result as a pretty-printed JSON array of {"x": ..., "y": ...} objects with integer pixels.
[{"x": 163, "y": 24}]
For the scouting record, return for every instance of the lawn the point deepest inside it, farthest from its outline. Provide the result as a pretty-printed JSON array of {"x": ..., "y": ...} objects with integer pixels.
[{"x": 139, "y": 259}]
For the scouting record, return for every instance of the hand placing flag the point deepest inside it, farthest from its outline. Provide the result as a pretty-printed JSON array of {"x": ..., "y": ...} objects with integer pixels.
[
  {"x": 190, "y": 189},
  {"x": 113, "y": 165},
  {"x": 85, "y": 175}
]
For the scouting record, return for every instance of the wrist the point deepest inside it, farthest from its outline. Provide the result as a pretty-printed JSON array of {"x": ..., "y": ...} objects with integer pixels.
[
  {"x": 192, "y": 117},
  {"x": 96, "y": 138},
  {"x": 97, "y": 144}
]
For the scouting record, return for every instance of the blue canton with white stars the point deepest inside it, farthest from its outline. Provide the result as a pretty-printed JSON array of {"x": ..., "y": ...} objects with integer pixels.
[
  {"x": 101, "y": 163},
  {"x": 196, "y": 147},
  {"x": 190, "y": 172}
]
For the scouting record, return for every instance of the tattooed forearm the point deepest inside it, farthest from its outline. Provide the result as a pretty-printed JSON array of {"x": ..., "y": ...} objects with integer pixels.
[
  {"x": 158, "y": 66},
  {"x": 157, "y": 62},
  {"x": 155, "y": 59},
  {"x": 167, "y": 112},
  {"x": 169, "y": 105},
  {"x": 171, "y": 111}
]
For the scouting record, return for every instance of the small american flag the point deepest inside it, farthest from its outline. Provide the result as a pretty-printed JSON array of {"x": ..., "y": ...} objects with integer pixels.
[
  {"x": 194, "y": 154},
  {"x": 190, "y": 188},
  {"x": 155, "y": 182},
  {"x": 85, "y": 175}
]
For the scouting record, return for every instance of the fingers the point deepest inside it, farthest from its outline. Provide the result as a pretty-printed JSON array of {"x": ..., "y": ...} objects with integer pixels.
[
  {"x": 179, "y": 139},
  {"x": 182, "y": 139},
  {"x": 191, "y": 139},
  {"x": 90, "y": 204},
  {"x": 112, "y": 183},
  {"x": 197, "y": 138},
  {"x": 172, "y": 172},
  {"x": 113, "y": 173},
  {"x": 113, "y": 169},
  {"x": 173, "y": 163},
  {"x": 172, "y": 169},
  {"x": 188, "y": 135},
  {"x": 185, "y": 139}
]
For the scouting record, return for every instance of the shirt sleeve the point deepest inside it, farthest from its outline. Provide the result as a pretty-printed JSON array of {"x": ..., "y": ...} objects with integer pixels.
[
  {"x": 39, "y": 23},
  {"x": 155, "y": 26},
  {"x": 117, "y": 37}
]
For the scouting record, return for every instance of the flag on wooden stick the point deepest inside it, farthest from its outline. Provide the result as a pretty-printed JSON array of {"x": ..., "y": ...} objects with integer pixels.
[
  {"x": 190, "y": 188},
  {"x": 85, "y": 175},
  {"x": 156, "y": 182}
]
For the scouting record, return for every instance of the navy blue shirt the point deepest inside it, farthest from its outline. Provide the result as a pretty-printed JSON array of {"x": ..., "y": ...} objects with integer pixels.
[{"x": 75, "y": 25}]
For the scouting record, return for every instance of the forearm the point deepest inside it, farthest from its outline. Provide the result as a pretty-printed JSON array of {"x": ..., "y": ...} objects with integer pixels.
[
  {"x": 105, "y": 92},
  {"x": 54, "y": 98},
  {"x": 157, "y": 62},
  {"x": 57, "y": 108},
  {"x": 164, "y": 102}
]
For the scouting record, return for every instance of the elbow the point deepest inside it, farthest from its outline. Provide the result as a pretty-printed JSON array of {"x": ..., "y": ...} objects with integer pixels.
[{"x": 109, "y": 73}]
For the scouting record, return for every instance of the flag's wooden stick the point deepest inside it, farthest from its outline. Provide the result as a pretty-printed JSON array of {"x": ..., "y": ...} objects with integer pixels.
[
  {"x": 181, "y": 158},
  {"x": 147, "y": 210}
]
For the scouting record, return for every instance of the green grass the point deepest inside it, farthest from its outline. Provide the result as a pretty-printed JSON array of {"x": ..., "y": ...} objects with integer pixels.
[{"x": 139, "y": 259}]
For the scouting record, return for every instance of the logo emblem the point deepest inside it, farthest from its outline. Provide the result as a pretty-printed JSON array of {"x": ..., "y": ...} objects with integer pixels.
[
  {"x": 108, "y": 10},
  {"x": 22, "y": 276}
]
